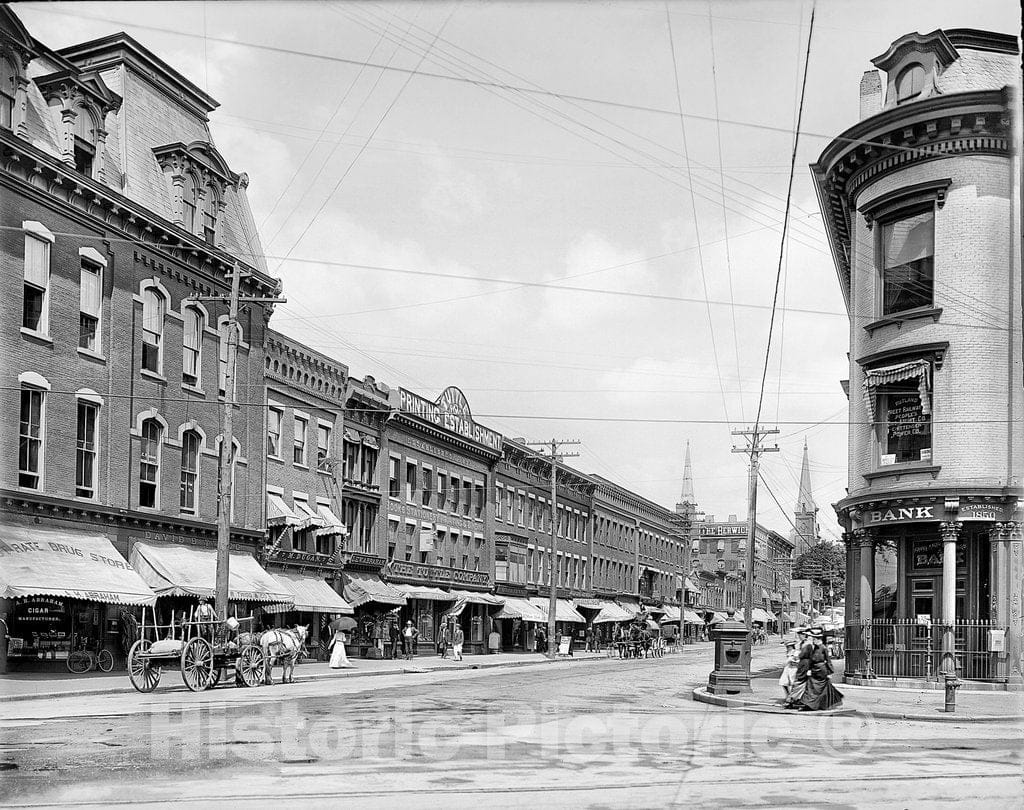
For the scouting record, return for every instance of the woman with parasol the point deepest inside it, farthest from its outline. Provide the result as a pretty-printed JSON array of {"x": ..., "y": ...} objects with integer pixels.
[{"x": 340, "y": 626}]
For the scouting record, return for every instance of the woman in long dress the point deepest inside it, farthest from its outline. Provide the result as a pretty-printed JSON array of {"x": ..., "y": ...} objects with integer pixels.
[
  {"x": 812, "y": 688},
  {"x": 339, "y": 660}
]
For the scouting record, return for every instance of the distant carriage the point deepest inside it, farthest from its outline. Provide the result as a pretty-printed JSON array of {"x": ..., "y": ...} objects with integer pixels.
[{"x": 203, "y": 651}]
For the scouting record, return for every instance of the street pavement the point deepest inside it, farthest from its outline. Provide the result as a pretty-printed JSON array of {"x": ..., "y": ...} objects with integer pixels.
[{"x": 599, "y": 733}]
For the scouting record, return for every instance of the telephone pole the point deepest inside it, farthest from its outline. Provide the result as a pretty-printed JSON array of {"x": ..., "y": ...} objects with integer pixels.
[
  {"x": 225, "y": 484},
  {"x": 556, "y": 457},
  {"x": 753, "y": 449}
]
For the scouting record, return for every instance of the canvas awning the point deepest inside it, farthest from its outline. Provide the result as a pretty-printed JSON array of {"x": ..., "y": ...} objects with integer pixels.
[
  {"x": 41, "y": 562},
  {"x": 173, "y": 570},
  {"x": 424, "y": 592},
  {"x": 516, "y": 608},
  {"x": 717, "y": 617},
  {"x": 655, "y": 608},
  {"x": 590, "y": 604},
  {"x": 364, "y": 588},
  {"x": 688, "y": 585},
  {"x": 564, "y": 611},
  {"x": 307, "y": 515},
  {"x": 332, "y": 523},
  {"x": 672, "y": 614},
  {"x": 612, "y": 612},
  {"x": 278, "y": 512},
  {"x": 875, "y": 377},
  {"x": 477, "y": 598},
  {"x": 692, "y": 618},
  {"x": 311, "y": 595}
]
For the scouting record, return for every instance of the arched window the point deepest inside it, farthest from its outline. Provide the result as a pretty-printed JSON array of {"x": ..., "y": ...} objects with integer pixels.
[
  {"x": 154, "y": 307},
  {"x": 149, "y": 464},
  {"x": 190, "y": 445},
  {"x": 210, "y": 215},
  {"x": 8, "y": 85},
  {"x": 188, "y": 203},
  {"x": 85, "y": 141},
  {"x": 910, "y": 82},
  {"x": 192, "y": 346}
]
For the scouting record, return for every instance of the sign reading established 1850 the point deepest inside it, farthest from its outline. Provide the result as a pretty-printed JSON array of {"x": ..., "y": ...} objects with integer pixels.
[{"x": 451, "y": 412}]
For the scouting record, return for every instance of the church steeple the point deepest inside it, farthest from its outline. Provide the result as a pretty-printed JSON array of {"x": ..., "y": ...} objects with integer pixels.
[
  {"x": 687, "y": 497},
  {"x": 806, "y": 512}
]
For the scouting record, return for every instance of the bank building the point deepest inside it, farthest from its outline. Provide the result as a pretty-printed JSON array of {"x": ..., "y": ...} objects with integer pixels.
[{"x": 921, "y": 202}]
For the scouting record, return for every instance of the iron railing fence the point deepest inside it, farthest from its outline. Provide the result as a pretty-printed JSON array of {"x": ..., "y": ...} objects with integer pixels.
[{"x": 904, "y": 648}]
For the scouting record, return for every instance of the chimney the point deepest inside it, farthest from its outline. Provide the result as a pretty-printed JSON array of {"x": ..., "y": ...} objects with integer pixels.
[{"x": 870, "y": 94}]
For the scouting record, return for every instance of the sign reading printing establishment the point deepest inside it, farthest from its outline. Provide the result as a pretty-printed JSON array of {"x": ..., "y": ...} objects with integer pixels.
[{"x": 451, "y": 412}]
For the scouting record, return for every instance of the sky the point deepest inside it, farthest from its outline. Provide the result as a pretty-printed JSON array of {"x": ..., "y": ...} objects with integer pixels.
[{"x": 434, "y": 222}]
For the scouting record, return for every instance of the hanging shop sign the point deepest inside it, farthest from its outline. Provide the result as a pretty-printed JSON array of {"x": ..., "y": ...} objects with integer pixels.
[{"x": 451, "y": 412}]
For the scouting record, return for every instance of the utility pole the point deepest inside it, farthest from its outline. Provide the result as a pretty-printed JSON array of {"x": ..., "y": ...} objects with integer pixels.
[
  {"x": 225, "y": 485},
  {"x": 753, "y": 449},
  {"x": 556, "y": 457}
]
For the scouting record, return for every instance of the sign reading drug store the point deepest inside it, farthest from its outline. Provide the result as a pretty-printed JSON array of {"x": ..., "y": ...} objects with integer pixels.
[{"x": 451, "y": 412}]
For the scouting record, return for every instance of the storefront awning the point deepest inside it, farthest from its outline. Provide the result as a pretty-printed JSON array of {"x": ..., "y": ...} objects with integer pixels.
[
  {"x": 362, "y": 589},
  {"x": 173, "y": 570},
  {"x": 424, "y": 592},
  {"x": 760, "y": 615},
  {"x": 688, "y": 585},
  {"x": 477, "y": 598},
  {"x": 692, "y": 618},
  {"x": 308, "y": 516},
  {"x": 516, "y": 608},
  {"x": 765, "y": 596},
  {"x": 672, "y": 614},
  {"x": 655, "y": 609},
  {"x": 311, "y": 594},
  {"x": 332, "y": 523},
  {"x": 717, "y": 618},
  {"x": 564, "y": 611},
  {"x": 590, "y": 604},
  {"x": 612, "y": 612},
  {"x": 41, "y": 562},
  {"x": 278, "y": 512}
]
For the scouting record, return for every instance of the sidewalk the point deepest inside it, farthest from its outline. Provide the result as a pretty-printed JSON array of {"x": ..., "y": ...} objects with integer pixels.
[
  {"x": 28, "y": 685},
  {"x": 875, "y": 701}
]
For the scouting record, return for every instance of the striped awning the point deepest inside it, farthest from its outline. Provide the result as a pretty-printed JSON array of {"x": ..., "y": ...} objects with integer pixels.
[
  {"x": 362, "y": 589},
  {"x": 332, "y": 523},
  {"x": 278, "y": 512},
  {"x": 516, "y": 608},
  {"x": 307, "y": 515},
  {"x": 875, "y": 377},
  {"x": 424, "y": 592},
  {"x": 564, "y": 611},
  {"x": 312, "y": 595}
]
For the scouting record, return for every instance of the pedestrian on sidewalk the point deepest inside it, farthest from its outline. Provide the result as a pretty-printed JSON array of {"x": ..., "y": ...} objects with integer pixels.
[
  {"x": 788, "y": 675},
  {"x": 812, "y": 689},
  {"x": 458, "y": 637},
  {"x": 446, "y": 639},
  {"x": 339, "y": 658},
  {"x": 494, "y": 640},
  {"x": 542, "y": 640},
  {"x": 409, "y": 636},
  {"x": 395, "y": 636}
]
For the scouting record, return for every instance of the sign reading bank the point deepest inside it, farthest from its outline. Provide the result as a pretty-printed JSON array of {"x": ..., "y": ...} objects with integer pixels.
[{"x": 451, "y": 412}]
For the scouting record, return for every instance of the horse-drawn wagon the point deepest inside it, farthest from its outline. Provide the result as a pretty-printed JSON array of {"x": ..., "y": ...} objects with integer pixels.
[{"x": 202, "y": 650}]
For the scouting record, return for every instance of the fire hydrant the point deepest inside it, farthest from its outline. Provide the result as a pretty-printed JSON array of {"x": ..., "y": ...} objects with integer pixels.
[{"x": 952, "y": 684}]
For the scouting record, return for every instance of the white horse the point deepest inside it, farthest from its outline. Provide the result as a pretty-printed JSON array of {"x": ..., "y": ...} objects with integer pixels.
[{"x": 282, "y": 648}]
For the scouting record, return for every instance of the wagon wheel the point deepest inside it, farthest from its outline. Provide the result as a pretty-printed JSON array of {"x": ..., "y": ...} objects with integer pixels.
[
  {"x": 144, "y": 676},
  {"x": 197, "y": 664},
  {"x": 215, "y": 678},
  {"x": 251, "y": 665}
]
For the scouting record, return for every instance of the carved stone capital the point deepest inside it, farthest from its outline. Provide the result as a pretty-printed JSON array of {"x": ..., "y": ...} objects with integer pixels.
[
  {"x": 1011, "y": 530},
  {"x": 864, "y": 538},
  {"x": 950, "y": 530}
]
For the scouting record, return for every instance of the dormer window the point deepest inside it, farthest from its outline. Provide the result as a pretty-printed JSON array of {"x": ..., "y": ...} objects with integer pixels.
[
  {"x": 910, "y": 83},
  {"x": 188, "y": 204},
  {"x": 210, "y": 216},
  {"x": 8, "y": 79},
  {"x": 85, "y": 142}
]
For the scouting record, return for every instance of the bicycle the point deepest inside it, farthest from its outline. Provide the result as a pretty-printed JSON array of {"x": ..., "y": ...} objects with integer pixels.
[{"x": 83, "y": 660}]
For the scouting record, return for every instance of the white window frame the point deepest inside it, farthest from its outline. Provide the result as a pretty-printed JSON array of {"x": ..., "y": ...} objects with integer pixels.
[
  {"x": 91, "y": 260},
  {"x": 157, "y": 465},
  {"x": 300, "y": 418},
  {"x": 42, "y": 388},
  {"x": 162, "y": 302},
  {"x": 499, "y": 491},
  {"x": 277, "y": 411},
  {"x": 323, "y": 427},
  {"x": 196, "y": 473},
  {"x": 197, "y": 312},
  {"x": 395, "y": 460},
  {"x": 41, "y": 234},
  {"x": 88, "y": 402}
]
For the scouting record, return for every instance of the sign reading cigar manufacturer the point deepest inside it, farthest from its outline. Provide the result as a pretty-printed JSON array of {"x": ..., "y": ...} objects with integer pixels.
[{"x": 451, "y": 412}]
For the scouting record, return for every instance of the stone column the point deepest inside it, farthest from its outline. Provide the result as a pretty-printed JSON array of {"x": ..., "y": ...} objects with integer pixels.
[
  {"x": 99, "y": 171},
  {"x": 865, "y": 539},
  {"x": 19, "y": 115},
  {"x": 67, "y": 135},
  {"x": 1006, "y": 574},
  {"x": 950, "y": 533}
]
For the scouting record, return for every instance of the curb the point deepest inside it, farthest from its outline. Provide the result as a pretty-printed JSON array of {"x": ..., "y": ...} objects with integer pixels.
[
  {"x": 315, "y": 678},
  {"x": 701, "y": 695}
]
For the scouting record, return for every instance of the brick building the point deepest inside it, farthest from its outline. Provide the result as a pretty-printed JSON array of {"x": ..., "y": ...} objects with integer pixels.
[
  {"x": 117, "y": 208},
  {"x": 921, "y": 200}
]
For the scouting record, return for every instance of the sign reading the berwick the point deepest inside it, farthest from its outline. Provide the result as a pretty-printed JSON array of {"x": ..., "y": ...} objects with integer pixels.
[{"x": 451, "y": 412}]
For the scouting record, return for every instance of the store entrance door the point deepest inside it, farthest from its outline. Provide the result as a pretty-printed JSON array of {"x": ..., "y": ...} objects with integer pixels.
[{"x": 925, "y": 607}]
